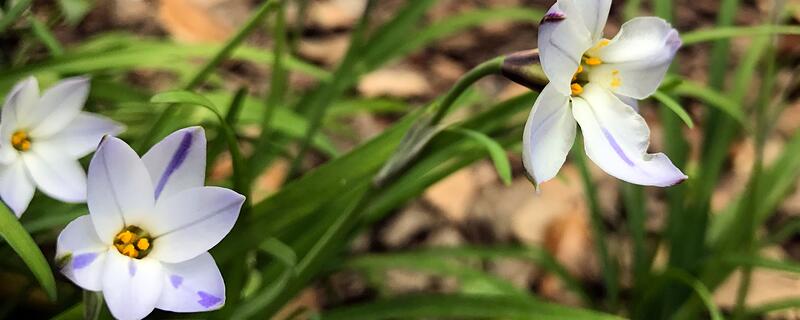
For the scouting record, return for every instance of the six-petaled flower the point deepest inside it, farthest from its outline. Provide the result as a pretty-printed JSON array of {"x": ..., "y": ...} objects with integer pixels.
[
  {"x": 42, "y": 138},
  {"x": 596, "y": 82},
  {"x": 151, "y": 222}
]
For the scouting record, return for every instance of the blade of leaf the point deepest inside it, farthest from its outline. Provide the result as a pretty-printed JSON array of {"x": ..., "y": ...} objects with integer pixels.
[
  {"x": 675, "y": 107},
  {"x": 460, "y": 306},
  {"x": 496, "y": 152},
  {"x": 22, "y": 243}
]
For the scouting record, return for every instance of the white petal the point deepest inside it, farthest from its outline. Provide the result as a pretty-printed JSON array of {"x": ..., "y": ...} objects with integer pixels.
[
  {"x": 631, "y": 102},
  {"x": 8, "y": 154},
  {"x": 616, "y": 139},
  {"x": 59, "y": 177},
  {"x": 83, "y": 134},
  {"x": 119, "y": 188},
  {"x": 594, "y": 14},
  {"x": 131, "y": 287},
  {"x": 58, "y": 106},
  {"x": 178, "y": 162},
  {"x": 194, "y": 285},
  {"x": 19, "y": 103},
  {"x": 193, "y": 221},
  {"x": 549, "y": 134},
  {"x": 16, "y": 187},
  {"x": 82, "y": 254},
  {"x": 563, "y": 38},
  {"x": 638, "y": 56}
]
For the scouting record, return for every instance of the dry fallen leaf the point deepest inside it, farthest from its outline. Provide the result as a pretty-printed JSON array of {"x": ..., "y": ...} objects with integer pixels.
[
  {"x": 201, "y": 20},
  {"x": 400, "y": 82},
  {"x": 453, "y": 195},
  {"x": 335, "y": 14},
  {"x": 329, "y": 50}
]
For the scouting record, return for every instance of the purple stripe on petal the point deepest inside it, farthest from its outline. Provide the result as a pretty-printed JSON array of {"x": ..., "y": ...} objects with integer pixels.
[
  {"x": 131, "y": 268},
  {"x": 176, "y": 281},
  {"x": 617, "y": 148},
  {"x": 177, "y": 160},
  {"x": 208, "y": 300},
  {"x": 553, "y": 17},
  {"x": 83, "y": 260}
]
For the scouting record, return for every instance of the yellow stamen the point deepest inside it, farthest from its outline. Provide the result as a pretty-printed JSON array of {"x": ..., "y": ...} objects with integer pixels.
[
  {"x": 603, "y": 43},
  {"x": 130, "y": 251},
  {"x": 593, "y": 61},
  {"x": 580, "y": 69},
  {"x": 576, "y": 89},
  {"x": 133, "y": 242},
  {"x": 21, "y": 141},
  {"x": 125, "y": 236},
  {"x": 143, "y": 244}
]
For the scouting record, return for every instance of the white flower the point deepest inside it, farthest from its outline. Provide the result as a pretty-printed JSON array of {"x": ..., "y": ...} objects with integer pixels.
[
  {"x": 596, "y": 82},
  {"x": 151, "y": 222},
  {"x": 42, "y": 138}
]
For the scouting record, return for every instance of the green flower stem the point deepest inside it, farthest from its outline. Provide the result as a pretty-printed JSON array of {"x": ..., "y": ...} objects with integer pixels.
[{"x": 493, "y": 66}]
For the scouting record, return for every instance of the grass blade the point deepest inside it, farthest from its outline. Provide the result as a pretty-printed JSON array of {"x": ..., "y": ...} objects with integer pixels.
[
  {"x": 212, "y": 64},
  {"x": 721, "y": 33},
  {"x": 240, "y": 184},
  {"x": 608, "y": 266},
  {"x": 462, "y": 307},
  {"x": 22, "y": 243},
  {"x": 496, "y": 152},
  {"x": 675, "y": 107},
  {"x": 10, "y": 17}
]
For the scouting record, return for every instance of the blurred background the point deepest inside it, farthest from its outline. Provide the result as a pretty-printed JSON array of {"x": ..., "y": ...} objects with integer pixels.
[{"x": 470, "y": 207}]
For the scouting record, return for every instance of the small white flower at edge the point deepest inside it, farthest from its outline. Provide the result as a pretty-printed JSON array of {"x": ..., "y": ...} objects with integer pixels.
[
  {"x": 42, "y": 138},
  {"x": 151, "y": 222},
  {"x": 596, "y": 82}
]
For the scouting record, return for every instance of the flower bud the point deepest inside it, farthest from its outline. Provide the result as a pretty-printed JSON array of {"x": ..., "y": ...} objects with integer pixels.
[{"x": 523, "y": 68}]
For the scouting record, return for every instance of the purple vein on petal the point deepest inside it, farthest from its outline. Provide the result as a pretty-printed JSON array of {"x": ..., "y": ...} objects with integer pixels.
[
  {"x": 175, "y": 280},
  {"x": 177, "y": 160},
  {"x": 131, "y": 268},
  {"x": 208, "y": 300},
  {"x": 83, "y": 260},
  {"x": 617, "y": 148}
]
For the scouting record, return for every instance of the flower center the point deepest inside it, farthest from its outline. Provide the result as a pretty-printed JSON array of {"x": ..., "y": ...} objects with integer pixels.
[
  {"x": 133, "y": 242},
  {"x": 589, "y": 61},
  {"x": 21, "y": 141}
]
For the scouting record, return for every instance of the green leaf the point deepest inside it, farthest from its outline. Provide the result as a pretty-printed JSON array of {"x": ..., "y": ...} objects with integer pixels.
[
  {"x": 75, "y": 10},
  {"x": 674, "y": 106},
  {"x": 73, "y": 313},
  {"x": 454, "y": 24},
  {"x": 190, "y": 98},
  {"x": 477, "y": 281},
  {"x": 607, "y": 262},
  {"x": 280, "y": 251},
  {"x": 45, "y": 36},
  {"x": 699, "y": 288},
  {"x": 496, "y": 152},
  {"x": 22, "y": 243},
  {"x": 711, "y": 97},
  {"x": 10, "y": 17},
  {"x": 414, "y": 141},
  {"x": 186, "y": 97},
  {"x": 439, "y": 261},
  {"x": 462, "y": 307},
  {"x": 718, "y": 33},
  {"x": 92, "y": 305}
]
